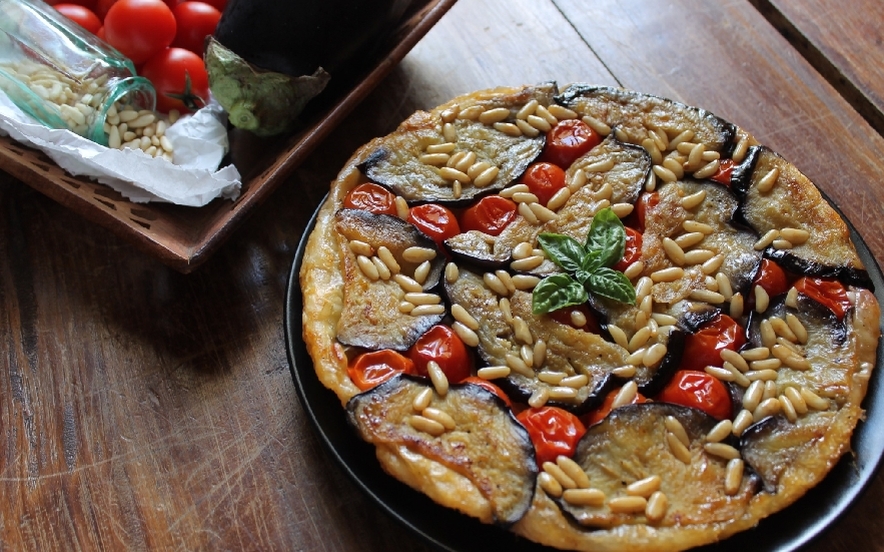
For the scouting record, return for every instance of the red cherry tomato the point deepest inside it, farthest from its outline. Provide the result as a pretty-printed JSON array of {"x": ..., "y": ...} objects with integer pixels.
[
  {"x": 490, "y": 215},
  {"x": 725, "y": 171},
  {"x": 577, "y": 316},
  {"x": 599, "y": 413},
  {"x": 80, "y": 15},
  {"x": 196, "y": 21},
  {"x": 434, "y": 220},
  {"x": 481, "y": 382},
  {"x": 441, "y": 345},
  {"x": 699, "y": 390},
  {"x": 553, "y": 431},
  {"x": 771, "y": 278},
  {"x": 632, "y": 251},
  {"x": 830, "y": 293},
  {"x": 375, "y": 367},
  {"x": 371, "y": 197},
  {"x": 568, "y": 140},
  {"x": 180, "y": 79},
  {"x": 703, "y": 348},
  {"x": 544, "y": 180},
  {"x": 139, "y": 28}
]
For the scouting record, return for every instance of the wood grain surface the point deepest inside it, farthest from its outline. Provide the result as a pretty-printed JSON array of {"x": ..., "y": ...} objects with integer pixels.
[
  {"x": 144, "y": 409},
  {"x": 845, "y": 43}
]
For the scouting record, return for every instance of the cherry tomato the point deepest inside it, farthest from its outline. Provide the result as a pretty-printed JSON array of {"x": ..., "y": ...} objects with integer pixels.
[
  {"x": 568, "y": 140},
  {"x": 632, "y": 251},
  {"x": 375, "y": 367},
  {"x": 771, "y": 278},
  {"x": 180, "y": 79},
  {"x": 544, "y": 180},
  {"x": 553, "y": 431},
  {"x": 80, "y": 15},
  {"x": 434, "y": 220},
  {"x": 604, "y": 409},
  {"x": 490, "y": 215},
  {"x": 371, "y": 197},
  {"x": 441, "y": 345},
  {"x": 577, "y": 316},
  {"x": 100, "y": 33},
  {"x": 830, "y": 293},
  {"x": 703, "y": 348},
  {"x": 699, "y": 390},
  {"x": 139, "y": 28},
  {"x": 725, "y": 171},
  {"x": 196, "y": 21},
  {"x": 646, "y": 202},
  {"x": 482, "y": 382}
]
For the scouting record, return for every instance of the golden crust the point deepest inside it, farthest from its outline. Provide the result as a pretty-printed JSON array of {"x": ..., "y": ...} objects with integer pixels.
[{"x": 789, "y": 206}]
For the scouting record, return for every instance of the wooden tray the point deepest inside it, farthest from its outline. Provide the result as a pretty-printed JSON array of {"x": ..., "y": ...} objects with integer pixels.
[{"x": 184, "y": 237}]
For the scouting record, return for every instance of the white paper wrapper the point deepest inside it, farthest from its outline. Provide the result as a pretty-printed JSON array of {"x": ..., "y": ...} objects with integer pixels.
[{"x": 199, "y": 140}]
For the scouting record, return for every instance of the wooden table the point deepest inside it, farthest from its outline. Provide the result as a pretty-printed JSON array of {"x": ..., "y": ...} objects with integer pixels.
[{"x": 143, "y": 409}]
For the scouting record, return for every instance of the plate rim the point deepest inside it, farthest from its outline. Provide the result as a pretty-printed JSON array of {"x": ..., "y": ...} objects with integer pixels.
[{"x": 785, "y": 531}]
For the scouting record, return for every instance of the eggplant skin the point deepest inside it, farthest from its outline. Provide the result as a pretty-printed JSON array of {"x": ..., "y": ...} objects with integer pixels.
[
  {"x": 486, "y": 445},
  {"x": 298, "y": 37}
]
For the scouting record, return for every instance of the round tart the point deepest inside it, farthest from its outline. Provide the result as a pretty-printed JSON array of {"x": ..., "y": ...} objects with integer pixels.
[{"x": 597, "y": 318}]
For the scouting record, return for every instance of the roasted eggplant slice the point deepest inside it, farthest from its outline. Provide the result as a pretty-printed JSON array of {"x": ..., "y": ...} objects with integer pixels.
[
  {"x": 479, "y": 249},
  {"x": 419, "y": 162},
  {"x": 468, "y": 430},
  {"x": 507, "y": 329},
  {"x": 629, "y": 454},
  {"x": 634, "y": 114},
  {"x": 775, "y": 445},
  {"x": 811, "y": 238},
  {"x": 371, "y": 316},
  {"x": 814, "y": 357}
]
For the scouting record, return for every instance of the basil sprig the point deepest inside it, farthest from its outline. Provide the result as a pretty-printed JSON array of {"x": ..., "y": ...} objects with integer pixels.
[{"x": 587, "y": 267}]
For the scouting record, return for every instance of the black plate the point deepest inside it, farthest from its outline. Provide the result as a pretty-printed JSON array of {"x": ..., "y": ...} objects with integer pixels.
[{"x": 449, "y": 530}]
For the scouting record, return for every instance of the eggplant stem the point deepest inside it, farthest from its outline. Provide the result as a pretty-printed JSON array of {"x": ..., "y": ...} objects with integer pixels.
[{"x": 242, "y": 115}]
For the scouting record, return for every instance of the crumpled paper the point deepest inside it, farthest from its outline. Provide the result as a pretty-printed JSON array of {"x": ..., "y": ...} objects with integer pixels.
[{"x": 199, "y": 142}]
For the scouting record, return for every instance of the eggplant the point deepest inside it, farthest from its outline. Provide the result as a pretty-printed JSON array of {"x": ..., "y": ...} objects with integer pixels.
[
  {"x": 399, "y": 161},
  {"x": 828, "y": 251},
  {"x": 370, "y": 315},
  {"x": 569, "y": 351},
  {"x": 267, "y": 59},
  {"x": 483, "y": 443},
  {"x": 631, "y": 444},
  {"x": 634, "y": 114}
]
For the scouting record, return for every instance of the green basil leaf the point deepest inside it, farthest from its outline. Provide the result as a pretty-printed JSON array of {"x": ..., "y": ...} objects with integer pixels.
[
  {"x": 565, "y": 251},
  {"x": 591, "y": 262},
  {"x": 555, "y": 292},
  {"x": 607, "y": 236},
  {"x": 612, "y": 284}
]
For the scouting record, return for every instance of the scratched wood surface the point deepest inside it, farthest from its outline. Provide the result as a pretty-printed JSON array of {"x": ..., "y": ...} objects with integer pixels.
[
  {"x": 143, "y": 409},
  {"x": 844, "y": 42}
]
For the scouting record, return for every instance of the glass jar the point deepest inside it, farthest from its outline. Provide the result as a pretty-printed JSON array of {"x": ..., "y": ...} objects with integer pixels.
[{"x": 62, "y": 75}]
